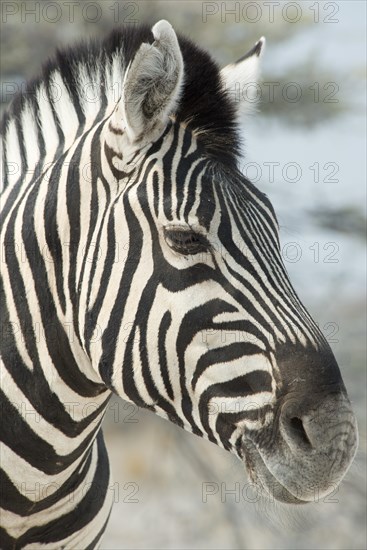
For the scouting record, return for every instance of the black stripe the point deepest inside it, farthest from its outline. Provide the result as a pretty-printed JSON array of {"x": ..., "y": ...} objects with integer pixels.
[
  {"x": 169, "y": 174},
  {"x": 156, "y": 198},
  {"x": 248, "y": 384},
  {"x": 162, "y": 335},
  {"x": 224, "y": 354},
  {"x": 24, "y": 442},
  {"x": 192, "y": 185},
  {"x": 51, "y": 229},
  {"x": 82, "y": 515},
  {"x": 16, "y": 502}
]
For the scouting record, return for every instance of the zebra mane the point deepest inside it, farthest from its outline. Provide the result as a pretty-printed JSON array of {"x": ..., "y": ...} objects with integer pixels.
[{"x": 205, "y": 106}]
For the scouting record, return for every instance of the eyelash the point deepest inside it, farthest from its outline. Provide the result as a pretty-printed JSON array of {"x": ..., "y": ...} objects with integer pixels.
[{"x": 186, "y": 241}]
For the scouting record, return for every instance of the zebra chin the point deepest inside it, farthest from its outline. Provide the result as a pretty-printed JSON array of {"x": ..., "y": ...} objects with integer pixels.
[{"x": 305, "y": 453}]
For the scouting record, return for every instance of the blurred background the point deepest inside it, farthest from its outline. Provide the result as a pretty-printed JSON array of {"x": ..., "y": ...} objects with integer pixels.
[{"x": 305, "y": 147}]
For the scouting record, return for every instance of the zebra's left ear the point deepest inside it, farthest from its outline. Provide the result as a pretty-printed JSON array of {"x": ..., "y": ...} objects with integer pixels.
[
  {"x": 152, "y": 85},
  {"x": 240, "y": 79}
]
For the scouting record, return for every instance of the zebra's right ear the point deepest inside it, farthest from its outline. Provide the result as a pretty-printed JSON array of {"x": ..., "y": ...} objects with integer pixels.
[{"x": 152, "y": 85}]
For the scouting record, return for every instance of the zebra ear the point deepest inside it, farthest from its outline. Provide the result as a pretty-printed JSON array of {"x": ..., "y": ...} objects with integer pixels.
[
  {"x": 152, "y": 84},
  {"x": 240, "y": 79}
]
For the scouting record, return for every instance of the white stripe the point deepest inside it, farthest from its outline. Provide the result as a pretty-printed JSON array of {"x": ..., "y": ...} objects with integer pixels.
[
  {"x": 25, "y": 477},
  {"x": 64, "y": 108},
  {"x": 30, "y": 133},
  {"x": 13, "y": 156}
]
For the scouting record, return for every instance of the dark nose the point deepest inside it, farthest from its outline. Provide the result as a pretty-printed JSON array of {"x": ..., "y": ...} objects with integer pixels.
[
  {"x": 314, "y": 396},
  {"x": 317, "y": 423}
]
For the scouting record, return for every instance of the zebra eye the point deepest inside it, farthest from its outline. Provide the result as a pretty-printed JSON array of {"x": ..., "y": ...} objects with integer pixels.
[{"x": 186, "y": 241}]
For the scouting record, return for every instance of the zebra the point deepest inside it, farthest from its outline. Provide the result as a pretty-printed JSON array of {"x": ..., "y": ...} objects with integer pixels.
[{"x": 131, "y": 243}]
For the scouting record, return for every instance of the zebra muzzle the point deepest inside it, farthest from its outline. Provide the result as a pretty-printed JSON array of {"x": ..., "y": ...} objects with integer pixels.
[{"x": 307, "y": 450}]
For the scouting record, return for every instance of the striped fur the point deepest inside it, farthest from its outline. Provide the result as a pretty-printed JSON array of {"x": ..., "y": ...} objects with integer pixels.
[{"x": 96, "y": 298}]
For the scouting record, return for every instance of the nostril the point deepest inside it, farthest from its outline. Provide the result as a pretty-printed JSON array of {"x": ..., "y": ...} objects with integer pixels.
[{"x": 298, "y": 431}]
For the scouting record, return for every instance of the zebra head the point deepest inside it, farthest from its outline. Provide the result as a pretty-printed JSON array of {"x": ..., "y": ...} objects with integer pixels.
[{"x": 198, "y": 319}]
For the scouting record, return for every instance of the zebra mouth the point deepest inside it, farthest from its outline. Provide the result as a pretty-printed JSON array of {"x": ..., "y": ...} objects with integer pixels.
[{"x": 266, "y": 484}]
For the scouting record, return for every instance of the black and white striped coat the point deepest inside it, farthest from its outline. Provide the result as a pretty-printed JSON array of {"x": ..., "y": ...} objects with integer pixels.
[{"x": 136, "y": 259}]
